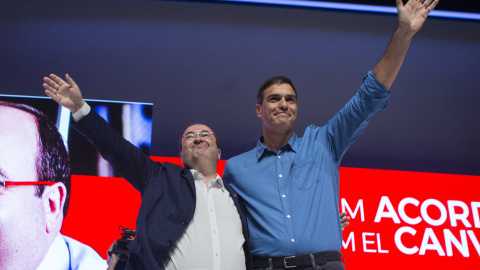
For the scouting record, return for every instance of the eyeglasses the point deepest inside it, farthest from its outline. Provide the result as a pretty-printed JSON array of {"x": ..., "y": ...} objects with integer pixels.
[
  {"x": 5, "y": 184},
  {"x": 203, "y": 134}
]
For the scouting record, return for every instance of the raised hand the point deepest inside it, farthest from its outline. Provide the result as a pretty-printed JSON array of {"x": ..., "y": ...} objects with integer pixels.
[
  {"x": 66, "y": 93},
  {"x": 413, "y": 14}
]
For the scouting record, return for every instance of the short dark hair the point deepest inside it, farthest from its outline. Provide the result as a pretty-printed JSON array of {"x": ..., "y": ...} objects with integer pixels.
[
  {"x": 52, "y": 161},
  {"x": 276, "y": 80}
]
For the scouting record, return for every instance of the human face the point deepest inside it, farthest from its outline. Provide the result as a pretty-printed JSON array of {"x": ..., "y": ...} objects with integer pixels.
[
  {"x": 22, "y": 216},
  {"x": 279, "y": 108},
  {"x": 199, "y": 148}
]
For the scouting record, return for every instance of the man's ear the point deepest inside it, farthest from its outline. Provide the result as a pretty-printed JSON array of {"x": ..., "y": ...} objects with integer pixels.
[
  {"x": 219, "y": 153},
  {"x": 53, "y": 200},
  {"x": 258, "y": 108}
]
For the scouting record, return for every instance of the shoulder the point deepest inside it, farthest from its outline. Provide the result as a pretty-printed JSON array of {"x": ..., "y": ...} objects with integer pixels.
[
  {"x": 249, "y": 155},
  {"x": 82, "y": 256},
  {"x": 238, "y": 164},
  {"x": 312, "y": 130},
  {"x": 172, "y": 167},
  {"x": 169, "y": 177}
]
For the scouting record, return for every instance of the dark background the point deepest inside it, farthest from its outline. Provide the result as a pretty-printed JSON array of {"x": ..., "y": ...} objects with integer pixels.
[{"x": 204, "y": 61}]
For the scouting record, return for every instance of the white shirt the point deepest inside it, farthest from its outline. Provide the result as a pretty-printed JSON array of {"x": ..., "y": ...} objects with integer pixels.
[
  {"x": 214, "y": 238},
  {"x": 66, "y": 253}
]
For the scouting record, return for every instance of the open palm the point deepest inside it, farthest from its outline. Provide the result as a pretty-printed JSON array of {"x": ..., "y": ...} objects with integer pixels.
[
  {"x": 413, "y": 14},
  {"x": 66, "y": 93}
]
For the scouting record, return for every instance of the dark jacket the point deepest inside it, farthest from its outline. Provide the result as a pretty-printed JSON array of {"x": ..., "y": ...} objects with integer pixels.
[{"x": 167, "y": 191}]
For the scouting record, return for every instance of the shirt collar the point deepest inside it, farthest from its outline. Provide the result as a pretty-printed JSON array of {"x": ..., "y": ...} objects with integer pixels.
[
  {"x": 198, "y": 176},
  {"x": 57, "y": 255},
  {"x": 261, "y": 150}
]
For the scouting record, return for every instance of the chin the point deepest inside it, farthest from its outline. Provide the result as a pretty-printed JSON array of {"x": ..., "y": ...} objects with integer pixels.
[{"x": 198, "y": 153}]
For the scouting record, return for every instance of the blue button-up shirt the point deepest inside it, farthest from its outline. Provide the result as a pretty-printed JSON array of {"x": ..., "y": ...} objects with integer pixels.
[{"x": 292, "y": 197}]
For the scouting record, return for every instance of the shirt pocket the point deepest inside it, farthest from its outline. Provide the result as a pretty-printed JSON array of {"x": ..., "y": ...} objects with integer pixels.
[{"x": 306, "y": 174}]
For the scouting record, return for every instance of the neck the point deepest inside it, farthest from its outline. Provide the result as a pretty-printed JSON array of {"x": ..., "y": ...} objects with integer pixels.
[
  {"x": 275, "y": 139},
  {"x": 209, "y": 172}
]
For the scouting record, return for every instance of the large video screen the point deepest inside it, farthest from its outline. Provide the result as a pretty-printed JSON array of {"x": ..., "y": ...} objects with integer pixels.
[{"x": 131, "y": 119}]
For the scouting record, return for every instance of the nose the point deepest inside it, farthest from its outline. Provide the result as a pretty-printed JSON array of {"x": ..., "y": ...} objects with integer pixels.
[
  {"x": 283, "y": 103},
  {"x": 198, "y": 137}
]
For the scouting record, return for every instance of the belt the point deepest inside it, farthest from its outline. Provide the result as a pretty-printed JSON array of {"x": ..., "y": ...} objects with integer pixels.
[{"x": 321, "y": 258}]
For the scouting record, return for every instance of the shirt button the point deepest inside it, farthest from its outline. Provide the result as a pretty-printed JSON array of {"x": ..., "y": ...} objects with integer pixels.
[
  {"x": 288, "y": 216},
  {"x": 283, "y": 196},
  {"x": 279, "y": 156},
  {"x": 169, "y": 242},
  {"x": 214, "y": 231},
  {"x": 292, "y": 240},
  {"x": 280, "y": 175}
]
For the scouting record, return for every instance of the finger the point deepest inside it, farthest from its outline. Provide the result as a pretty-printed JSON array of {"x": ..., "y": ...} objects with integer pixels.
[
  {"x": 426, "y": 3},
  {"x": 399, "y": 3},
  {"x": 55, "y": 97},
  {"x": 342, "y": 215},
  {"x": 50, "y": 94},
  {"x": 432, "y": 5},
  {"x": 56, "y": 89},
  {"x": 46, "y": 86},
  {"x": 49, "y": 89},
  {"x": 70, "y": 80},
  {"x": 344, "y": 220},
  {"x": 57, "y": 79},
  {"x": 51, "y": 83}
]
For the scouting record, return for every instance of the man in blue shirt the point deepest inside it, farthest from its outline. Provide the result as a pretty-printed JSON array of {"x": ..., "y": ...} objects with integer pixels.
[{"x": 290, "y": 184}]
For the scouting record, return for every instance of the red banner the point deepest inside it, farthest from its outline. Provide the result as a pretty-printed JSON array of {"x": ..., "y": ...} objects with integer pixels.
[{"x": 410, "y": 220}]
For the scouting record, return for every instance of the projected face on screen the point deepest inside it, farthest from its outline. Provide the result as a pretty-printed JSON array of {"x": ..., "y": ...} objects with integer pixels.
[
  {"x": 25, "y": 222},
  {"x": 34, "y": 135}
]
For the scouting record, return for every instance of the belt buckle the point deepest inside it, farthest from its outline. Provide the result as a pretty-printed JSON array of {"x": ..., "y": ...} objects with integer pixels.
[{"x": 285, "y": 262}]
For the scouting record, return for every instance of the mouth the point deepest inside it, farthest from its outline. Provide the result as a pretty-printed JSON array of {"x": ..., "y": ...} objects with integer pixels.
[
  {"x": 200, "y": 145},
  {"x": 283, "y": 113}
]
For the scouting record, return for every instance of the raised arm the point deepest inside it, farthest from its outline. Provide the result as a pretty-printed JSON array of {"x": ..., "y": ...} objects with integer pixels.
[
  {"x": 128, "y": 160},
  {"x": 411, "y": 17},
  {"x": 66, "y": 93}
]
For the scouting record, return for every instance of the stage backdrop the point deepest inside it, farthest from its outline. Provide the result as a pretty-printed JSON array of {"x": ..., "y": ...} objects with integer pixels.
[{"x": 202, "y": 62}]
